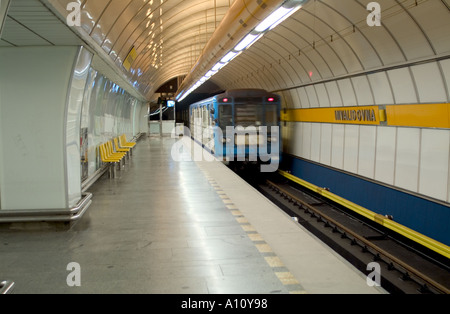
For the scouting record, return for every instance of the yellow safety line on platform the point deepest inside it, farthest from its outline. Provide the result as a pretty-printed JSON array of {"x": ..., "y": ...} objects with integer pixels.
[
  {"x": 432, "y": 244},
  {"x": 280, "y": 271}
]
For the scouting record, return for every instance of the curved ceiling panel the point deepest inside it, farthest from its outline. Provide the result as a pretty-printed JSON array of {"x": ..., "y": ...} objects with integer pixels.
[
  {"x": 329, "y": 39},
  {"x": 324, "y": 44},
  {"x": 167, "y": 35}
]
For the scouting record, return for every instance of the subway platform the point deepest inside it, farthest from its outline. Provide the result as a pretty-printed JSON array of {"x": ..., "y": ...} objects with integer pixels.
[{"x": 166, "y": 226}]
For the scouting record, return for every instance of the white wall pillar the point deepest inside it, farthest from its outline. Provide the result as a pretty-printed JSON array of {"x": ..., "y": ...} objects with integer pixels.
[{"x": 39, "y": 126}]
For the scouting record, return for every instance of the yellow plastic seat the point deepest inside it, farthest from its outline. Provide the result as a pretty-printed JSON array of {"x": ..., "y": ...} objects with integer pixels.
[
  {"x": 105, "y": 157},
  {"x": 118, "y": 149},
  {"x": 123, "y": 142},
  {"x": 111, "y": 161},
  {"x": 111, "y": 152}
]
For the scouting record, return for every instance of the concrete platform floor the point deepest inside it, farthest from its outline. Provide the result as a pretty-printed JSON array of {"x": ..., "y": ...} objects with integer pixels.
[{"x": 168, "y": 227}]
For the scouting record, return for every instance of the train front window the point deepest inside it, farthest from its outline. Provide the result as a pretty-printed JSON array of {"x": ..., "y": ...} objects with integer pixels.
[
  {"x": 225, "y": 116},
  {"x": 248, "y": 115},
  {"x": 271, "y": 115}
]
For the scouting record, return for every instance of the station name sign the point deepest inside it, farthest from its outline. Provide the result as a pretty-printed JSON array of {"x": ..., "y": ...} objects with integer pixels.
[
  {"x": 413, "y": 115},
  {"x": 342, "y": 115},
  {"x": 356, "y": 115}
]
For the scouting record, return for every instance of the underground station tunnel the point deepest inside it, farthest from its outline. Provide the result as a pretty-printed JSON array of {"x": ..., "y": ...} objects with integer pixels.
[{"x": 215, "y": 148}]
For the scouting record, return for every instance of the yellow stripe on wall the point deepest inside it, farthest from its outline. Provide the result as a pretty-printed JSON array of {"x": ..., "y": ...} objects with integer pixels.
[
  {"x": 415, "y": 115},
  {"x": 423, "y": 115},
  {"x": 430, "y": 243},
  {"x": 346, "y": 115}
]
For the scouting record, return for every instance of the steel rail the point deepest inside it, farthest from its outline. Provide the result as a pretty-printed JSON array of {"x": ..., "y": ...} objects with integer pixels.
[{"x": 366, "y": 242}]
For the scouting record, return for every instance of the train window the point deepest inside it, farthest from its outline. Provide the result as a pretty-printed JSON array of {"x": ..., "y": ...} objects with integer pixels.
[
  {"x": 225, "y": 116},
  {"x": 248, "y": 115},
  {"x": 271, "y": 115}
]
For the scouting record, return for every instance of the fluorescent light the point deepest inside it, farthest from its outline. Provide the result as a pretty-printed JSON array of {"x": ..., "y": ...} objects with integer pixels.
[
  {"x": 246, "y": 42},
  {"x": 276, "y": 18},
  {"x": 229, "y": 56},
  {"x": 289, "y": 7},
  {"x": 210, "y": 73},
  {"x": 218, "y": 66}
]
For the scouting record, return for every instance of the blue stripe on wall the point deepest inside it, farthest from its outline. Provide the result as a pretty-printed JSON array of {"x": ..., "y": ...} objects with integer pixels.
[{"x": 424, "y": 216}]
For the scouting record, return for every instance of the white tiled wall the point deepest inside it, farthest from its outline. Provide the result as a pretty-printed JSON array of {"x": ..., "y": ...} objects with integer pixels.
[
  {"x": 409, "y": 158},
  {"x": 434, "y": 163},
  {"x": 385, "y": 155},
  {"x": 415, "y": 159}
]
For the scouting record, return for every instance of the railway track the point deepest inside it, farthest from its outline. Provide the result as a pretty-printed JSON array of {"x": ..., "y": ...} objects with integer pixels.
[{"x": 405, "y": 268}]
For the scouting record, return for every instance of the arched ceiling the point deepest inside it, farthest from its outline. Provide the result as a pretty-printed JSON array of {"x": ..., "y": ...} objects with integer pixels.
[
  {"x": 167, "y": 35},
  {"x": 328, "y": 39},
  {"x": 325, "y": 40}
]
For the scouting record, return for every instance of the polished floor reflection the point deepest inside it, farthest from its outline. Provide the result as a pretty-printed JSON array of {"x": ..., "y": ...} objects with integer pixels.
[{"x": 160, "y": 227}]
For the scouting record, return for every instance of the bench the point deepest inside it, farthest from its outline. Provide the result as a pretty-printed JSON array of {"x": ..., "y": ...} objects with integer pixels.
[
  {"x": 109, "y": 159},
  {"x": 124, "y": 144}
]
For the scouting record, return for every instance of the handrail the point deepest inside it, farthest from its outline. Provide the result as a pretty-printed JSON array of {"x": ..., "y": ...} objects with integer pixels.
[{"x": 6, "y": 287}]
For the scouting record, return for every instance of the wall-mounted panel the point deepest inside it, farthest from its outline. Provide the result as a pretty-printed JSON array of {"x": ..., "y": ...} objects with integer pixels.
[
  {"x": 325, "y": 144},
  {"x": 297, "y": 146},
  {"x": 385, "y": 155},
  {"x": 347, "y": 92},
  {"x": 434, "y": 163},
  {"x": 381, "y": 88},
  {"x": 304, "y": 100},
  {"x": 335, "y": 94},
  {"x": 367, "y": 146},
  {"x": 351, "y": 148},
  {"x": 312, "y": 96},
  {"x": 445, "y": 66},
  {"x": 403, "y": 86},
  {"x": 337, "y": 151},
  {"x": 315, "y": 141},
  {"x": 306, "y": 140},
  {"x": 322, "y": 94},
  {"x": 363, "y": 91},
  {"x": 429, "y": 83},
  {"x": 288, "y": 133},
  {"x": 407, "y": 158}
]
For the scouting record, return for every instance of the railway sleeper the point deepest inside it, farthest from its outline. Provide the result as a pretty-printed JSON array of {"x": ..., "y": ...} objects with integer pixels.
[{"x": 401, "y": 273}]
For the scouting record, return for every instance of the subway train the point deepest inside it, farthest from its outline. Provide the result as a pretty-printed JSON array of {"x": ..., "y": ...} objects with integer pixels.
[{"x": 239, "y": 127}]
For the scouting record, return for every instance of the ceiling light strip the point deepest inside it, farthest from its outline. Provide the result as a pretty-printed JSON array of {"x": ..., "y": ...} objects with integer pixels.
[{"x": 275, "y": 18}]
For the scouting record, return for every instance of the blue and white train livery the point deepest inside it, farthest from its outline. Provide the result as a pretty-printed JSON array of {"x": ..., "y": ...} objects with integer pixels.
[{"x": 239, "y": 126}]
